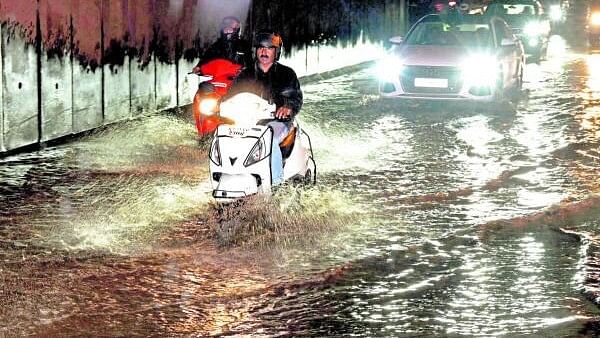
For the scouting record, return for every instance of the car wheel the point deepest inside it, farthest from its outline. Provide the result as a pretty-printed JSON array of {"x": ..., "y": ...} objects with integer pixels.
[
  {"x": 535, "y": 56},
  {"x": 543, "y": 52},
  {"x": 499, "y": 90},
  {"x": 519, "y": 82},
  {"x": 516, "y": 89}
]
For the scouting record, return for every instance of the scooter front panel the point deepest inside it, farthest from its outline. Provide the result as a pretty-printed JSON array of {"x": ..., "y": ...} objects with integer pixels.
[
  {"x": 236, "y": 186},
  {"x": 232, "y": 178}
]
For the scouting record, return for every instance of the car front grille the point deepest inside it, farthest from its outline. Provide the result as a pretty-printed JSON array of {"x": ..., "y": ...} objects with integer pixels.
[{"x": 452, "y": 74}]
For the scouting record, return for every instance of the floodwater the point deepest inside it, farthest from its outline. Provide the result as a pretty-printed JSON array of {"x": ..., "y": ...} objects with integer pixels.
[{"x": 427, "y": 221}]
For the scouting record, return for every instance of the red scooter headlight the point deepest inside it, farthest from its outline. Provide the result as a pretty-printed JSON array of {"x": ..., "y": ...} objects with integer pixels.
[{"x": 209, "y": 104}]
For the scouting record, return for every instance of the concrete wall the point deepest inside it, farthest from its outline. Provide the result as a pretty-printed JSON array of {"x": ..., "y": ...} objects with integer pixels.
[
  {"x": 19, "y": 90},
  {"x": 2, "y": 147},
  {"x": 73, "y": 65}
]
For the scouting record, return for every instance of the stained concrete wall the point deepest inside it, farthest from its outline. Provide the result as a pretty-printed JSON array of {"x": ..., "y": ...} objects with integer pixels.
[
  {"x": 56, "y": 72},
  {"x": 2, "y": 147},
  {"x": 19, "y": 90},
  {"x": 73, "y": 65}
]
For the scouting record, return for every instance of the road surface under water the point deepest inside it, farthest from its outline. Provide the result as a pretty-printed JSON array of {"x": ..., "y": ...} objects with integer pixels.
[{"x": 427, "y": 220}]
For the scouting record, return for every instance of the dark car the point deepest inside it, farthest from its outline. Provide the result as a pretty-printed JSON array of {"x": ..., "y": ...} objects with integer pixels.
[{"x": 528, "y": 21}]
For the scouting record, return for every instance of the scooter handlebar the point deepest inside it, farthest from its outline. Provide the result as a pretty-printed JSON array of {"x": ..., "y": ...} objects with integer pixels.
[{"x": 284, "y": 119}]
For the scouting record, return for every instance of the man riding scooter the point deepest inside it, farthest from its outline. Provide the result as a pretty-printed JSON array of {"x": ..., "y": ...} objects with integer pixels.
[{"x": 275, "y": 83}]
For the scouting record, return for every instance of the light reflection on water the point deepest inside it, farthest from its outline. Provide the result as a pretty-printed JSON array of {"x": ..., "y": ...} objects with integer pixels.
[
  {"x": 110, "y": 190},
  {"x": 398, "y": 238}
]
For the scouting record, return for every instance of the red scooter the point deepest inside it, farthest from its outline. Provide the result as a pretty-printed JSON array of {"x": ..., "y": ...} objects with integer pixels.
[{"x": 216, "y": 77}]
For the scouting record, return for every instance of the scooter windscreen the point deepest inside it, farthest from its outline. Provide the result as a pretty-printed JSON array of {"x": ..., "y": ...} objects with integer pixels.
[{"x": 246, "y": 109}]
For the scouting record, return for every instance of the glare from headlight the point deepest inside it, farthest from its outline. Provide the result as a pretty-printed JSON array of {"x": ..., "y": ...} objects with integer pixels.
[
  {"x": 208, "y": 106},
  {"x": 533, "y": 42},
  {"x": 555, "y": 13},
  {"x": 389, "y": 68},
  {"x": 533, "y": 29},
  {"x": 480, "y": 70},
  {"x": 595, "y": 19}
]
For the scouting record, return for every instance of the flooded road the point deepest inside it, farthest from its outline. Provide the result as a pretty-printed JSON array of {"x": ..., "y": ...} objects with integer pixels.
[{"x": 427, "y": 220}]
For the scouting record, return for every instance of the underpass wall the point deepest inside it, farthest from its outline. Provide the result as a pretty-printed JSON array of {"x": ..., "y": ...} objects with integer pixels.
[
  {"x": 86, "y": 66},
  {"x": 56, "y": 71},
  {"x": 19, "y": 77},
  {"x": 2, "y": 147},
  {"x": 71, "y": 66}
]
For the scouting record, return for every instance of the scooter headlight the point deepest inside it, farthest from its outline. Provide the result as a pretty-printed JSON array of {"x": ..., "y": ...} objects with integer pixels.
[
  {"x": 208, "y": 106},
  {"x": 215, "y": 152},
  {"x": 258, "y": 152}
]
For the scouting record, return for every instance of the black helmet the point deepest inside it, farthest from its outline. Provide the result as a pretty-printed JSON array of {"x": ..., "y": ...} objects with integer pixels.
[
  {"x": 228, "y": 21},
  {"x": 268, "y": 38}
]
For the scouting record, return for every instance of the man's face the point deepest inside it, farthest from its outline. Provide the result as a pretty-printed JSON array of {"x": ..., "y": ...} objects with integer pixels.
[{"x": 265, "y": 55}]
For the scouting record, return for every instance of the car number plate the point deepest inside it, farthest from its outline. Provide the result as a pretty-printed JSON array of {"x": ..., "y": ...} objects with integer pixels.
[{"x": 431, "y": 82}]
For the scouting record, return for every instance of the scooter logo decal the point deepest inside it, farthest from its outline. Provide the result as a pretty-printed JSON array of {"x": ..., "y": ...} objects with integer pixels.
[
  {"x": 232, "y": 160},
  {"x": 237, "y": 131}
]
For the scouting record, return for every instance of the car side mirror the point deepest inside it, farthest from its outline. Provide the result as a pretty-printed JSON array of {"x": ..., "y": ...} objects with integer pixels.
[
  {"x": 507, "y": 42},
  {"x": 396, "y": 40}
]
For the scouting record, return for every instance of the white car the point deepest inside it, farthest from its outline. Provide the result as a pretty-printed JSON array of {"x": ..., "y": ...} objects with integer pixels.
[{"x": 467, "y": 58}]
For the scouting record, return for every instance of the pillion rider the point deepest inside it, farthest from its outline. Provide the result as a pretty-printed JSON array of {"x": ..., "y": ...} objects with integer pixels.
[
  {"x": 275, "y": 83},
  {"x": 228, "y": 46}
]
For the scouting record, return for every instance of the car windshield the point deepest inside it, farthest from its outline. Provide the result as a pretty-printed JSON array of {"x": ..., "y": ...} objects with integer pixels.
[
  {"x": 517, "y": 14},
  {"x": 440, "y": 33},
  {"x": 512, "y": 10}
]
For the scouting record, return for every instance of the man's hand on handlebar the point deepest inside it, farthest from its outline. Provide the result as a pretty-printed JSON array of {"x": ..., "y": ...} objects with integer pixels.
[{"x": 283, "y": 113}]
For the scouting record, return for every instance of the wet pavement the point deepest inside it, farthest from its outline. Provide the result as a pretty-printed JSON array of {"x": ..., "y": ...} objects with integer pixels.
[{"x": 427, "y": 220}]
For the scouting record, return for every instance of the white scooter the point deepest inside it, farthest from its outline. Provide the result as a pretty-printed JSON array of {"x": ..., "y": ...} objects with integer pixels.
[{"x": 240, "y": 153}]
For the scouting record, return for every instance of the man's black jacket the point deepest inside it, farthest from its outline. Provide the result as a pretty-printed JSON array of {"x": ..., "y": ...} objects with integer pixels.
[{"x": 279, "y": 85}]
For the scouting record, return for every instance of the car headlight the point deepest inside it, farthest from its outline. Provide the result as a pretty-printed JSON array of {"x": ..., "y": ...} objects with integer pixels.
[
  {"x": 258, "y": 152},
  {"x": 595, "y": 19},
  {"x": 480, "y": 70},
  {"x": 533, "y": 29},
  {"x": 215, "y": 152},
  {"x": 208, "y": 105},
  {"x": 389, "y": 68}
]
